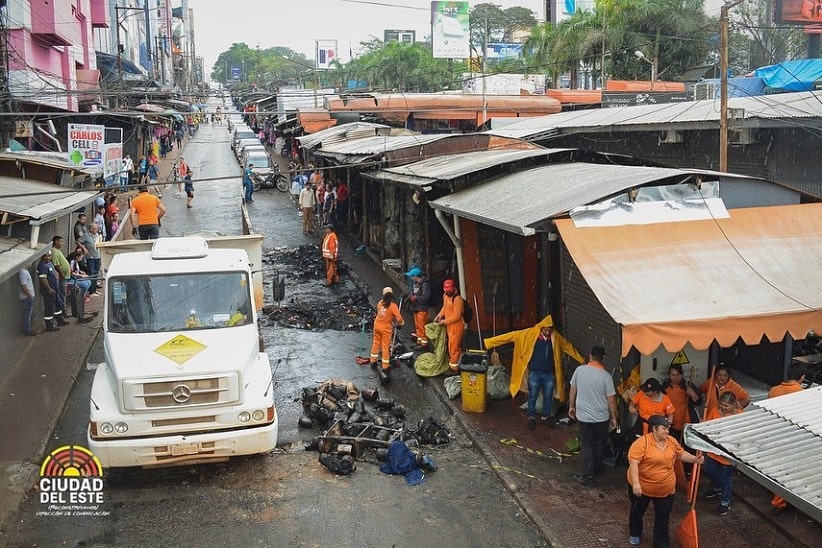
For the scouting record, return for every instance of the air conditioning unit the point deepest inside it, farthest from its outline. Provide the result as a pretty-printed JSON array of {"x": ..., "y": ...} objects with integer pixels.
[
  {"x": 706, "y": 90},
  {"x": 745, "y": 136},
  {"x": 670, "y": 136}
]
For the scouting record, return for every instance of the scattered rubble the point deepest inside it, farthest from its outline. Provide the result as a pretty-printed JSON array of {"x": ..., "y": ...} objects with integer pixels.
[{"x": 354, "y": 422}]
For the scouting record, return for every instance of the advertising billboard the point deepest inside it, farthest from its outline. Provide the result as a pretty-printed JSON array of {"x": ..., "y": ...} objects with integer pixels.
[
  {"x": 326, "y": 53},
  {"x": 801, "y": 12},
  {"x": 450, "y": 31},
  {"x": 402, "y": 36},
  {"x": 85, "y": 144}
]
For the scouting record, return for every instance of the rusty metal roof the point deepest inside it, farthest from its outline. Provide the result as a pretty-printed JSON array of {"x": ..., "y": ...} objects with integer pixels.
[
  {"x": 367, "y": 147},
  {"x": 777, "y": 442},
  {"x": 56, "y": 160},
  {"x": 344, "y": 132},
  {"x": 759, "y": 111}
]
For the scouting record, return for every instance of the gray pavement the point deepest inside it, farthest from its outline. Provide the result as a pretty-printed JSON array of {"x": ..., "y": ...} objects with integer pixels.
[{"x": 33, "y": 396}]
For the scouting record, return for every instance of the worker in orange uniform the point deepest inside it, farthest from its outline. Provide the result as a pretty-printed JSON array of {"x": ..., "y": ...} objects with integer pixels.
[
  {"x": 723, "y": 383},
  {"x": 146, "y": 212},
  {"x": 685, "y": 397},
  {"x": 718, "y": 468},
  {"x": 796, "y": 374},
  {"x": 450, "y": 316},
  {"x": 651, "y": 401},
  {"x": 387, "y": 315},
  {"x": 330, "y": 249}
]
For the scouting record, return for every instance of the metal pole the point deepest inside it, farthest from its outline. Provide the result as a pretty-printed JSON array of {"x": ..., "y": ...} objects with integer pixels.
[
  {"x": 316, "y": 76},
  {"x": 148, "y": 39},
  {"x": 723, "y": 85}
]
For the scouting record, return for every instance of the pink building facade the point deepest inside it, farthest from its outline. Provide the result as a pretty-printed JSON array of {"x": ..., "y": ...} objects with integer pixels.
[{"x": 52, "y": 61}]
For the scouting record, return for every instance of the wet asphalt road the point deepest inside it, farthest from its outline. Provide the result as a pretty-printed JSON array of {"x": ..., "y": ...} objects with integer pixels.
[{"x": 286, "y": 498}]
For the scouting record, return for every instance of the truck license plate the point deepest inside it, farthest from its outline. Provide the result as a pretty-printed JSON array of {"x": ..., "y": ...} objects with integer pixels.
[{"x": 184, "y": 449}]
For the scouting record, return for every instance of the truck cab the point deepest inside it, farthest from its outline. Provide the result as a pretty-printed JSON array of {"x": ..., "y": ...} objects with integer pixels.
[{"x": 185, "y": 380}]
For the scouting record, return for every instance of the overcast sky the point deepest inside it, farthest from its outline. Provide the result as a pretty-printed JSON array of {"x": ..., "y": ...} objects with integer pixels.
[{"x": 297, "y": 23}]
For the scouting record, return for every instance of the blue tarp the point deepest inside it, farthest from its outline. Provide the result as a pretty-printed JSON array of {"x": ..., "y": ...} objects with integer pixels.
[
  {"x": 791, "y": 75},
  {"x": 739, "y": 87}
]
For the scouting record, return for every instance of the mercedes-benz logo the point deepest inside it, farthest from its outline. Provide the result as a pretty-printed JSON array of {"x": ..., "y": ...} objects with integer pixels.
[{"x": 181, "y": 393}]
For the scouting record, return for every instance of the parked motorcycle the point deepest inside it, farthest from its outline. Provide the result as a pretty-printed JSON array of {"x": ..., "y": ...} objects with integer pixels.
[{"x": 274, "y": 179}]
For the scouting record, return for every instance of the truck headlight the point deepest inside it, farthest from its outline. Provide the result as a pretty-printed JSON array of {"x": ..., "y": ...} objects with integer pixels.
[
  {"x": 121, "y": 427},
  {"x": 245, "y": 416},
  {"x": 106, "y": 428},
  {"x": 257, "y": 415}
]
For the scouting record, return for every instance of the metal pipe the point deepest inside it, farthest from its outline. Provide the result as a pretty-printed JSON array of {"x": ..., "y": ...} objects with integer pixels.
[{"x": 454, "y": 235}]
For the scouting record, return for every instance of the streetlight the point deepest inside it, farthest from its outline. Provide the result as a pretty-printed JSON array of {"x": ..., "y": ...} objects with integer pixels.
[
  {"x": 641, "y": 56},
  {"x": 120, "y": 47}
]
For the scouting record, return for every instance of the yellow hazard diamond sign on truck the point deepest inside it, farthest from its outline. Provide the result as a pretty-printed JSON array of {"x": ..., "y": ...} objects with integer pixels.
[{"x": 180, "y": 349}]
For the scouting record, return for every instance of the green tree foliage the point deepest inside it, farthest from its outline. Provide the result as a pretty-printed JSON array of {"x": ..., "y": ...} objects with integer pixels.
[
  {"x": 277, "y": 64},
  {"x": 767, "y": 43}
]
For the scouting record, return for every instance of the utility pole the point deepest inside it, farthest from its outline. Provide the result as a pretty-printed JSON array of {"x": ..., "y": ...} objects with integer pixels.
[
  {"x": 6, "y": 122},
  {"x": 723, "y": 84}
]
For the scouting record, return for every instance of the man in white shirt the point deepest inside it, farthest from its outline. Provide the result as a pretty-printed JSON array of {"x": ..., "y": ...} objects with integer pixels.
[{"x": 126, "y": 169}]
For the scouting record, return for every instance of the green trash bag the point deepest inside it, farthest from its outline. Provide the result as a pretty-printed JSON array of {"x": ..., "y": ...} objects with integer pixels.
[{"x": 431, "y": 364}]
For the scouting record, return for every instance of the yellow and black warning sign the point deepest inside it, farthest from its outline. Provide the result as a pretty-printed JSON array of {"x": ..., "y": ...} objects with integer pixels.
[
  {"x": 680, "y": 358},
  {"x": 180, "y": 349}
]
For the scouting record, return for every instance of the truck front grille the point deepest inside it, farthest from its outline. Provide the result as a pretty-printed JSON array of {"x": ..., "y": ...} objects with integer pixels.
[{"x": 180, "y": 393}]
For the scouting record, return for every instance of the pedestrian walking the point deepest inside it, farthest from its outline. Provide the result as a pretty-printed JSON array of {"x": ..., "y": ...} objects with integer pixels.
[
  {"x": 538, "y": 349},
  {"x": 49, "y": 287},
  {"x": 330, "y": 250},
  {"x": 450, "y": 317},
  {"x": 126, "y": 171},
  {"x": 717, "y": 468},
  {"x": 248, "y": 183},
  {"x": 25, "y": 293},
  {"x": 341, "y": 207},
  {"x": 146, "y": 212},
  {"x": 142, "y": 170},
  {"x": 796, "y": 376},
  {"x": 419, "y": 299},
  {"x": 189, "y": 188},
  {"x": 592, "y": 403},
  {"x": 649, "y": 401},
  {"x": 387, "y": 316},
  {"x": 307, "y": 203},
  {"x": 153, "y": 177},
  {"x": 90, "y": 242},
  {"x": 63, "y": 268},
  {"x": 651, "y": 478},
  {"x": 182, "y": 172}
]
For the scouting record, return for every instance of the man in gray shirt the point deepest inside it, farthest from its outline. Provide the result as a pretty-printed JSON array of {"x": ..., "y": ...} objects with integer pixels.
[{"x": 592, "y": 403}]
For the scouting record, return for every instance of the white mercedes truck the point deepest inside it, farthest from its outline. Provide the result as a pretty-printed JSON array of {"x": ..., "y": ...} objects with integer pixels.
[{"x": 185, "y": 379}]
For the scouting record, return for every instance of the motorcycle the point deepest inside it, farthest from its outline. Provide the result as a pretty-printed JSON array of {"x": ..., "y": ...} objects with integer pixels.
[{"x": 274, "y": 179}]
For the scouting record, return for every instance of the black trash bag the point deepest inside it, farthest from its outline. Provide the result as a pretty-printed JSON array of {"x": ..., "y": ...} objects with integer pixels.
[
  {"x": 342, "y": 465},
  {"x": 432, "y": 432}
]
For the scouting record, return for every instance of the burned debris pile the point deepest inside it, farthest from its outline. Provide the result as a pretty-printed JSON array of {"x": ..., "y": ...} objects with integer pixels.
[
  {"x": 292, "y": 273},
  {"x": 354, "y": 423}
]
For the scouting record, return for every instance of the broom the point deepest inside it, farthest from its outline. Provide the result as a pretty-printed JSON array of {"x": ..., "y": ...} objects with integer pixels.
[
  {"x": 688, "y": 532},
  {"x": 494, "y": 358}
]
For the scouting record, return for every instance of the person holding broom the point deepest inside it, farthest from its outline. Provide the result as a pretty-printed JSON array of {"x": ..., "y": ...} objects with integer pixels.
[
  {"x": 387, "y": 315},
  {"x": 651, "y": 477}
]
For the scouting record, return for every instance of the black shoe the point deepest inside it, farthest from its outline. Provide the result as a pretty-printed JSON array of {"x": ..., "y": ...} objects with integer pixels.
[
  {"x": 724, "y": 509},
  {"x": 83, "y": 320},
  {"x": 61, "y": 321},
  {"x": 713, "y": 493},
  {"x": 384, "y": 378},
  {"x": 532, "y": 423},
  {"x": 548, "y": 421},
  {"x": 52, "y": 328},
  {"x": 30, "y": 334},
  {"x": 583, "y": 480}
]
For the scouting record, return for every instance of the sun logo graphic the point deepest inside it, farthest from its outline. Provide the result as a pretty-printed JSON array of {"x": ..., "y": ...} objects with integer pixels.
[{"x": 71, "y": 475}]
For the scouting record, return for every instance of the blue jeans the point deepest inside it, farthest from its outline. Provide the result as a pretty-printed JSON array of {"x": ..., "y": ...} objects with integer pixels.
[
  {"x": 123, "y": 182},
  {"x": 248, "y": 187},
  {"x": 28, "y": 310},
  {"x": 540, "y": 380},
  {"x": 720, "y": 475}
]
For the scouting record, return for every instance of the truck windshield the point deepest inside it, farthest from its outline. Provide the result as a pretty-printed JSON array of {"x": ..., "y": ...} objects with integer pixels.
[{"x": 178, "y": 302}]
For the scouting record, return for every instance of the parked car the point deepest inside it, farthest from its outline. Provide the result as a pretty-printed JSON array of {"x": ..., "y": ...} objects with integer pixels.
[
  {"x": 238, "y": 149},
  {"x": 258, "y": 147},
  {"x": 261, "y": 160},
  {"x": 240, "y": 135}
]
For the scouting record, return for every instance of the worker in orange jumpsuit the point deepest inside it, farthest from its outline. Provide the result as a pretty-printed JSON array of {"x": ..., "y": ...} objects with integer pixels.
[
  {"x": 387, "y": 315},
  {"x": 796, "y": 374},
  {"x": 330, "y": 249},
  {"x": 450, "y": 316}
]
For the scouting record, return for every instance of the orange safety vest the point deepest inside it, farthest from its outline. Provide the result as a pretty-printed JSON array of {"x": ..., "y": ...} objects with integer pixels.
[{"x": 330, "y": 246}]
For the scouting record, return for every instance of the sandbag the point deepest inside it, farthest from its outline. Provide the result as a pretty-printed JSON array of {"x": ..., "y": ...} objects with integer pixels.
[
  {"x": 432, "y": 364},
  {"x": 497, "y": 383},
  {"x": 453, "y": 386}
]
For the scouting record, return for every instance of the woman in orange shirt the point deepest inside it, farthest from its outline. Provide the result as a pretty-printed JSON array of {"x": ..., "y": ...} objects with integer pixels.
[
  {"x": 685, "y": 397},
  {"x": 719, "y": 469},
  {"x": 651, "y": 401},
  {"x": 651, "y": 477},
  {"x": 723, "y": 383}
]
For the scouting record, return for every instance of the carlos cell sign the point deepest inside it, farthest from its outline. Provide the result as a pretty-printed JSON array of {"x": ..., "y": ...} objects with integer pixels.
[{"x": 85, "y": 144}]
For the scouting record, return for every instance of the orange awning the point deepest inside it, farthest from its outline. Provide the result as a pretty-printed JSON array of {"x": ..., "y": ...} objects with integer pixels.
[{"x": 756, "y": 273}]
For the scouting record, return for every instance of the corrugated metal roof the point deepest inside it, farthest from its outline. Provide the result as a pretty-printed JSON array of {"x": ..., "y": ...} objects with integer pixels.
[
  {"x": 452, "y": 166},
  {"x": 57, "y": 160},
  {"x": 777, "y": 442},
  {"x": 692, "y": 114},
  {"x": 371, "y": 146},
  {"x": 521, "y": 201},
  {"x": 354, "y": 130},
  {"x": 39, "y": 201}
]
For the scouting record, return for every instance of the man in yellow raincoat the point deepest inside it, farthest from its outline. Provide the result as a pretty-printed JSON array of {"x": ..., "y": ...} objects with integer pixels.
[{"x": 538, "y": 349}]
